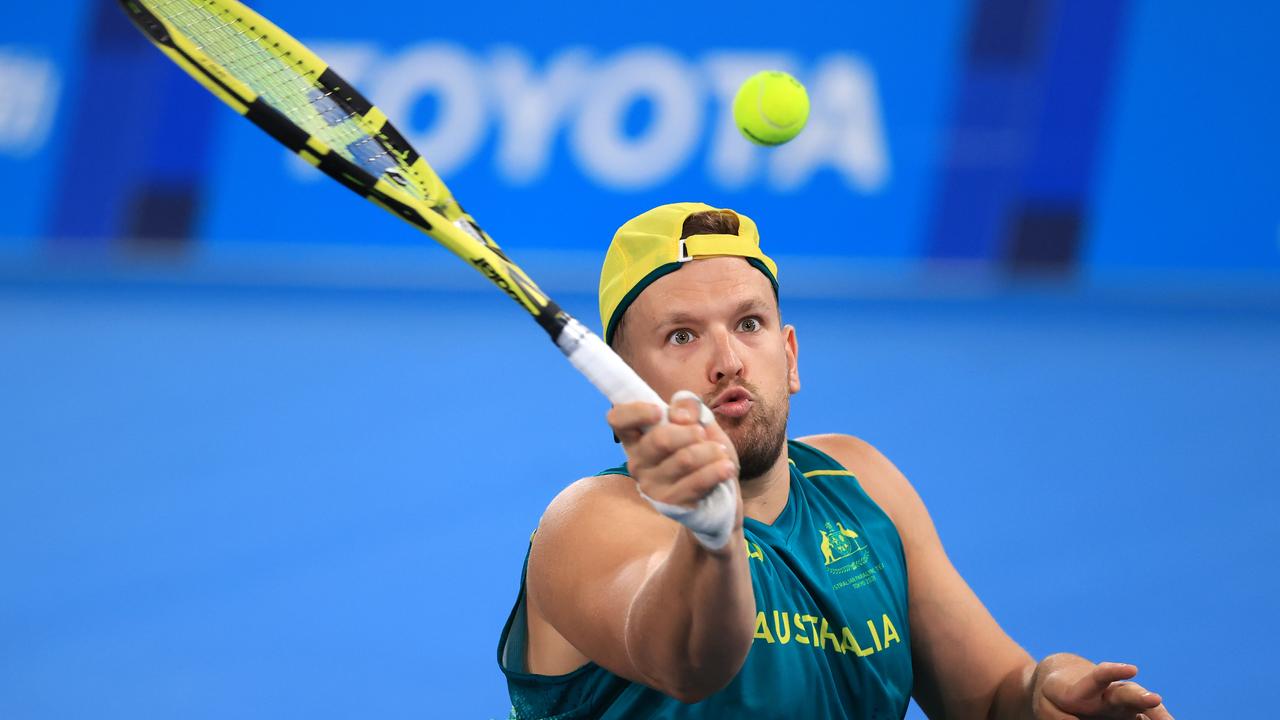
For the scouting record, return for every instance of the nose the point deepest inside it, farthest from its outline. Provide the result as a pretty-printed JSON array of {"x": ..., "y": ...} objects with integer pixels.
[{"x": 726, "y": 361}]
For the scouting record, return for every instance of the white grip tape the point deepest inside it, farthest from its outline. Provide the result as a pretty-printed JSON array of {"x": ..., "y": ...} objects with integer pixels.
[
  {"x": 711, "y": 520},
  {"x": 601, "y": 365}
]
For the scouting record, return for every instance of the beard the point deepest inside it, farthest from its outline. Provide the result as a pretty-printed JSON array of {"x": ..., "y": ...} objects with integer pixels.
[{"x": 760, "y": 435}]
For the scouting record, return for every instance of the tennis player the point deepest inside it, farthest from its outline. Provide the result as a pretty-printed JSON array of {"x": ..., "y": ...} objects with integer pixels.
[{"x": 725, "y": 571}]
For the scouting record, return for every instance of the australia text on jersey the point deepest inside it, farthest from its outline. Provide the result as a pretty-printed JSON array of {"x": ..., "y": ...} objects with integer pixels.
[{"x": 784, "y": 627}]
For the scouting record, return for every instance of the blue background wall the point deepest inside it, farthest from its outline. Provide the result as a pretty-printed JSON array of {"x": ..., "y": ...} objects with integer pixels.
[{"x": 268, "y": 454}]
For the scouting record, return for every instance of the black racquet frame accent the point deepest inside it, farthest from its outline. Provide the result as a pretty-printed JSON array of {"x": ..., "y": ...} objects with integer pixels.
[{"x": 276, "y": 124}]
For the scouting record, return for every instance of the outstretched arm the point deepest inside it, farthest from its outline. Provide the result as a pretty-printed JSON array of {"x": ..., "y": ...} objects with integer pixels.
[
  {"x": 633, "y": 590},
  {"x": 965, "y": 665}
]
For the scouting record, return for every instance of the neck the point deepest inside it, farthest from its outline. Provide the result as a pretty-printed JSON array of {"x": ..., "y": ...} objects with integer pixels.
[{"x": 764, "y": 497}]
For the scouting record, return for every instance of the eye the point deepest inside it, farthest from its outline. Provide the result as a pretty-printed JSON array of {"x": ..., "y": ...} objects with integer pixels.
[
  {"x": 750, "y": 324},
  {"x": 680, "y": 337}
]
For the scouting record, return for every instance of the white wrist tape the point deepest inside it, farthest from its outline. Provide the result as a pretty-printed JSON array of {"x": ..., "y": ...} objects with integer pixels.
[{"x": 711, "y": 520}]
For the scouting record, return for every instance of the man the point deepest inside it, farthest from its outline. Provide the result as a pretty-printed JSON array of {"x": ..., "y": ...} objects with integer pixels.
[{"x": 724, "y": 571}]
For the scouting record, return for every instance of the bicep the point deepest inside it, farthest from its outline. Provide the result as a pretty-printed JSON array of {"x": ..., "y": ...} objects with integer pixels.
[{"x": 594, "y": 549}]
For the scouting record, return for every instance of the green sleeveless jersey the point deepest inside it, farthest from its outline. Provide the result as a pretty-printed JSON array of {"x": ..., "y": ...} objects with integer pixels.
[{"x": 831, "y": 635}]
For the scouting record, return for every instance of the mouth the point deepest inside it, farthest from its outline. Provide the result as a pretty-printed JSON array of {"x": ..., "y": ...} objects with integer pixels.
[{"x": 732, "y": 403}]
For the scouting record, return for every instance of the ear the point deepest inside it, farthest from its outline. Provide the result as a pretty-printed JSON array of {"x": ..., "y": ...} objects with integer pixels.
[{"x": 793, "y": 353}]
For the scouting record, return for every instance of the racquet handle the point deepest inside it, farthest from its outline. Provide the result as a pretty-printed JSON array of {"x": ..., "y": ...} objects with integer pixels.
[
  {"x": 711, "y": 519},
  {"x": 601, "y": 365}
]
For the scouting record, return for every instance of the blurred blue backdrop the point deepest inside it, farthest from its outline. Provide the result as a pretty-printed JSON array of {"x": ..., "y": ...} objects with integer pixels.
[{"x": 264, "y": 452}]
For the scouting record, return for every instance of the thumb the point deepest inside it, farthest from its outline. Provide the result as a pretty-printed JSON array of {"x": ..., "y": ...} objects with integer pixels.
[
  {"x": 1096, "y": 682},
  {"x": 688, "y": 409}
]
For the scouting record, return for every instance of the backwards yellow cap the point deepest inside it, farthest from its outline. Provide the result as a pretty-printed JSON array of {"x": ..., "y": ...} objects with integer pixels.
[{"x": 648, "y": 246}]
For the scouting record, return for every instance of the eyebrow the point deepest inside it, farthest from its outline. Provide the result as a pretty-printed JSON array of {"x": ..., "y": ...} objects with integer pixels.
[{"x": 682, "y": 318}]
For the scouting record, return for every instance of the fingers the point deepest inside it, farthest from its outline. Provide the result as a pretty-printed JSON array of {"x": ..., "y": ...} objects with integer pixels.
[
  {"x": 686, "y": 490},
  {"x": 691, "y": 458},
  {"x": 649, "y": 441},
  {"x": 692, "y": 409},
  {"x": 690, "y": 473},
  {"x": 677, "y": 462},
  {"x": 630, "y": 420},
  {"x": 1160, "y": 712},
  {"x": 687, "y": 408},
  {"x": 662, "y": 442},
  {"x": 1129, "y": 696},
  {"x": 1100, "y": 678},
  {"x": 1105, "y": 690}
]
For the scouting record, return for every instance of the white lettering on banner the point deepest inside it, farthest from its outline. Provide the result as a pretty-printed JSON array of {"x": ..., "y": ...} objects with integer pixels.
[
  {"x": 599, "y": 140},
  {"x": 531, "y": 108},
  {"x": 585, "y": 99},
  {"x": 844, "y": 131},
  {"x": 29, "y": 85}
]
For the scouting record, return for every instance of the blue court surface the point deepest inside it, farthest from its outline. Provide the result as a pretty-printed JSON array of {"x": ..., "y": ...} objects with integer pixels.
[{"x": 257, "y": 501}]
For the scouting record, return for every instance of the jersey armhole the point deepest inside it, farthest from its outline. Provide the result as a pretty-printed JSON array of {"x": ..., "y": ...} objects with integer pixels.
[{"x": 514, "y": 640}]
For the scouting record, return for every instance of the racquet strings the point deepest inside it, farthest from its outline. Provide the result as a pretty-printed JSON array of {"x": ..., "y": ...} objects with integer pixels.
[{"x": 266, "y": 64}]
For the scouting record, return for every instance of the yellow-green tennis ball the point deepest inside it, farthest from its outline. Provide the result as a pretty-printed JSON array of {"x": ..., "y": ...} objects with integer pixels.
[{"x": 770, "y": 108}]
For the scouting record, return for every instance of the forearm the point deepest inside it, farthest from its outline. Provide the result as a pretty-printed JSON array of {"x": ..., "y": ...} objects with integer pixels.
[
  {"x": 691, "y": 624},
  {"x": 1012, "y": 699}
]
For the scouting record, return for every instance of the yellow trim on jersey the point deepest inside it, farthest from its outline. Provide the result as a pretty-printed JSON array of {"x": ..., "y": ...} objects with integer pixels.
[{"x": 839, "y": 473}]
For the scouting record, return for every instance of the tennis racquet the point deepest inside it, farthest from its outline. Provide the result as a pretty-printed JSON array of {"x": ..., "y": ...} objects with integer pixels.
[{"x": 275, "y": 81}]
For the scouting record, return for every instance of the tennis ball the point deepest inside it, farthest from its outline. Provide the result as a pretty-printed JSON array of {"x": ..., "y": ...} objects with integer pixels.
[{"x": 770, "y": 108}]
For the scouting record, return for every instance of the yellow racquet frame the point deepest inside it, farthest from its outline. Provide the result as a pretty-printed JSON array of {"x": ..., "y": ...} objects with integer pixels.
[{"x": 266, "y": 75}]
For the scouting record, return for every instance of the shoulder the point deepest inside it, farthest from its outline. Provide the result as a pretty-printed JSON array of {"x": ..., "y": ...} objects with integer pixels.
[
  {"x": 879, "y": 477},
  {"x": 578, "y": 498},
  {"x": 602, "y": 518},
  {"x": 586, "y": 506},
  {"x": 842, "y": 447}
]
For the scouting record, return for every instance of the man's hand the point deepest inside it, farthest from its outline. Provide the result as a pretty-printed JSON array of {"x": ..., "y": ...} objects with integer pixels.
[
  {"x": 678, "y": 462},
  {"x": 1066, "y": 687}
]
